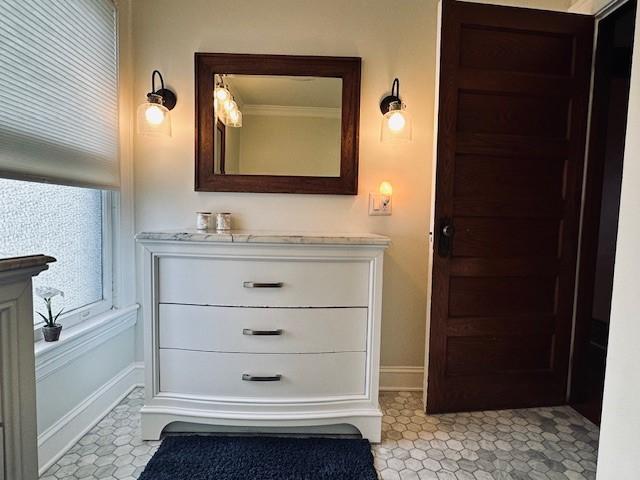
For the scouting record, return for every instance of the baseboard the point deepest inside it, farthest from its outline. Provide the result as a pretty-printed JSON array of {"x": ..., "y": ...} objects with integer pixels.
[
  {"x": 54, "y": 442},
  {"x": 401, "y": 378}
]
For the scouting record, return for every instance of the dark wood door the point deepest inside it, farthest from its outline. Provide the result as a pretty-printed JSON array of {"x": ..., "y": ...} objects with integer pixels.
[{"x": 514, "y": 88}]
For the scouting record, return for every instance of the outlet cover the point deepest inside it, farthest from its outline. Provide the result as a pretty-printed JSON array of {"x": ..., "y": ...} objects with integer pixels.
[{"x": 379, "y": 204}]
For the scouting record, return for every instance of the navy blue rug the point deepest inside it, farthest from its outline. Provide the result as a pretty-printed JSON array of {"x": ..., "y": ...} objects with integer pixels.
[{"x": 260, "y": 458}]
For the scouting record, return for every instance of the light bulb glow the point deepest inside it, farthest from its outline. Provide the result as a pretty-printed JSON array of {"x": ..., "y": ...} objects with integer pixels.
[
  {"x": 396, "y": 121},
  {"x": 385, "y": 189},
  {"x": 154, "y": 115},
  {"x": 234, "y": 115},
  {"x": 222, "y": 94},
  {"x": 229, "y": 105},
  {"x": 234, "y": 119},
  {"x": 396, "y": 125}
]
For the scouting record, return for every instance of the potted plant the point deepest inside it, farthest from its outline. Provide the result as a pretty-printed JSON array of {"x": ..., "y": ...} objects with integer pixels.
[{"x": 51, "y": 330}]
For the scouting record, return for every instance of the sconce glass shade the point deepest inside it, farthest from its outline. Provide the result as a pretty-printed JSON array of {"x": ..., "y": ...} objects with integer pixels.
[
  {"x": 234, "y": 118},
  {"x": 229, "y": 105},
  {"x": 396, "y": 125},
  {"x": 221, "y": 94},
  {"x": 227, "y": 110},
  {"x": 153, "y": 118}
]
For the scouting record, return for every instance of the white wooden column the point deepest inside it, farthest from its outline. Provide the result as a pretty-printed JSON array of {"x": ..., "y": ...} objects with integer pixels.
[{"x": 18, "y": 427}]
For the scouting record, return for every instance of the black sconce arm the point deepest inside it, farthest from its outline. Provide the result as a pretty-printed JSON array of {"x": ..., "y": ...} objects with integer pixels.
[{"x": 169, "y": 98}]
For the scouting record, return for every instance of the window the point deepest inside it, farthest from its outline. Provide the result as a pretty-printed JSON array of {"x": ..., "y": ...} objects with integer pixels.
[
  {"x": 51, "y": 140},
  {"x": 71, "y": 224}
]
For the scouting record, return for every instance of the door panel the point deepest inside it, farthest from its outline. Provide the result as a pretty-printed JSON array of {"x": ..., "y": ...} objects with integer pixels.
[
  {"x": 514, "y": 92},
  {"x": 489, "y": 47},
  {"x": 505, "y": 237},
  {"x": 501, "y": 178},
  {"x": 512, "y": 114},
  {"x": 498, "y": 355}
]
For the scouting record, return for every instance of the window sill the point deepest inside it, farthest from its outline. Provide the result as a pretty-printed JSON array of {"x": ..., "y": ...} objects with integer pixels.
[{"x": 81, "y": 338}]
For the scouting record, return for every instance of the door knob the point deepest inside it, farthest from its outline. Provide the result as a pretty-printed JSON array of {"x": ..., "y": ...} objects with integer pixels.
[
  {"x": 448, "y": 230},
  {"x": 445, "y": 238}
]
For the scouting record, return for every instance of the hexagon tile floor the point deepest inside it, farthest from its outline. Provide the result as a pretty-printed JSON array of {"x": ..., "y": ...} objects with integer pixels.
[{"x": 540, "y": 444}]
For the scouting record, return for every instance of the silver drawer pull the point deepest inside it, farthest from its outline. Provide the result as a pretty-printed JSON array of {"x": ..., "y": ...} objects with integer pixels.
[
  {"x": 262, "y": 284},
  {"x": 247, "y": 377},
  {"x": 251, "y": 331}
]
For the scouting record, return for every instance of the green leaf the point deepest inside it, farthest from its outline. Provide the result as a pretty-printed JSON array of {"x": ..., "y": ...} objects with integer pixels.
[
  {"x": 56, "y": 317},
  {"x": 46, "y": 319}
]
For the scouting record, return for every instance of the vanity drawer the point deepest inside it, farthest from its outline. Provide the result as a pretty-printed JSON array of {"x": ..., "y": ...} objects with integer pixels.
[
  {"x": 262, "y": 330},
  {"x": 272, "y": 282},
  {"x": 301, "y": 376}
]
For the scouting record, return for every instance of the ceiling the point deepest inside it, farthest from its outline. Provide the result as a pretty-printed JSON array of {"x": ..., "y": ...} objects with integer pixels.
[{"x": 286, "y": 90}]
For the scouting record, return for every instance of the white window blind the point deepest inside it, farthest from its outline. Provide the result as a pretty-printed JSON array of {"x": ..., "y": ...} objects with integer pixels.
[{"x": 58, "y": 91}]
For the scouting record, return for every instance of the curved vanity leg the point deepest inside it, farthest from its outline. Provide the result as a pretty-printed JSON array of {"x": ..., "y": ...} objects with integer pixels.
[
  {"x": 151, "y": 426},
  {"x": 370, "y": 428}
]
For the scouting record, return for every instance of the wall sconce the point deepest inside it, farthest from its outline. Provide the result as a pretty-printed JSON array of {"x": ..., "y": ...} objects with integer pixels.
[
  {"x": 396, "y": 122},
  {"x": 153, "y": 115},
  {"x": 225, "y": 106},
  {"x": 380, "y": 203}
]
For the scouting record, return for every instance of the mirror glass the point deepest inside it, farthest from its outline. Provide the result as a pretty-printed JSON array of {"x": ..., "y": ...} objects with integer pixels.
[{"x": 277, "y": 125}]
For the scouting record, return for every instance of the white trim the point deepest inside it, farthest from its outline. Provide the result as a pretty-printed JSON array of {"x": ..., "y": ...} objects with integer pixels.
[
  {"x": 78, "y": 340},
  {"x": 75, "y": 317},
  {"x": 108, "y": 234},
  {"x": 401, "y": 379},
  {"x": 432, "y": 207},
  {"x": 124, "y": 257},
  {"x": 291, "y": 111},
  {"x": 597, "y": 8},
  {"x": 56, "y": 440},
  {"x": 607, "y": 9}
]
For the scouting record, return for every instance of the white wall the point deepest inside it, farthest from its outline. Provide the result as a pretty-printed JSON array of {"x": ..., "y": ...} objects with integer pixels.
[
  {"x": 619, "y": 455},
  {"x": 60, "y": 392},
  {"x": 394, "y": 39}
]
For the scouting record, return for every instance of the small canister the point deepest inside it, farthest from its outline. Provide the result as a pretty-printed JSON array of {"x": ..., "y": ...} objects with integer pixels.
[
  {"x": 203, "y": 220},
  {"x": 223, "y": 221}
]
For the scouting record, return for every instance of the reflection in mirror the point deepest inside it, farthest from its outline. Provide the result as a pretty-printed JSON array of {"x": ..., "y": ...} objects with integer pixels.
[
  {"x": 277, "y": 125},
  {"x": 219, "y": 151}
]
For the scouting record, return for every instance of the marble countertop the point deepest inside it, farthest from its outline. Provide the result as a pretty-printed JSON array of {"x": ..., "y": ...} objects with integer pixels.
[
  {"x": 8, "y": 263},
  {"x": 248, "y": 236}
]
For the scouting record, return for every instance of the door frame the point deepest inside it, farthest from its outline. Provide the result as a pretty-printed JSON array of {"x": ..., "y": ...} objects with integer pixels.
[
  {"x": 589, "y": 219},
  {"x": 584, "y": 7},
  {"x": 432, "y": 207}
]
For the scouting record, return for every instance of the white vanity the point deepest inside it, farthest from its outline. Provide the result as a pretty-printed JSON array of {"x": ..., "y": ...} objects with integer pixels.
[{"x": 261, "y": 330}]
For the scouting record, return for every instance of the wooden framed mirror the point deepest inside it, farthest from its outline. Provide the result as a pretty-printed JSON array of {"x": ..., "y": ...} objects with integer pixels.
[{"x": 277, "y": 123}]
